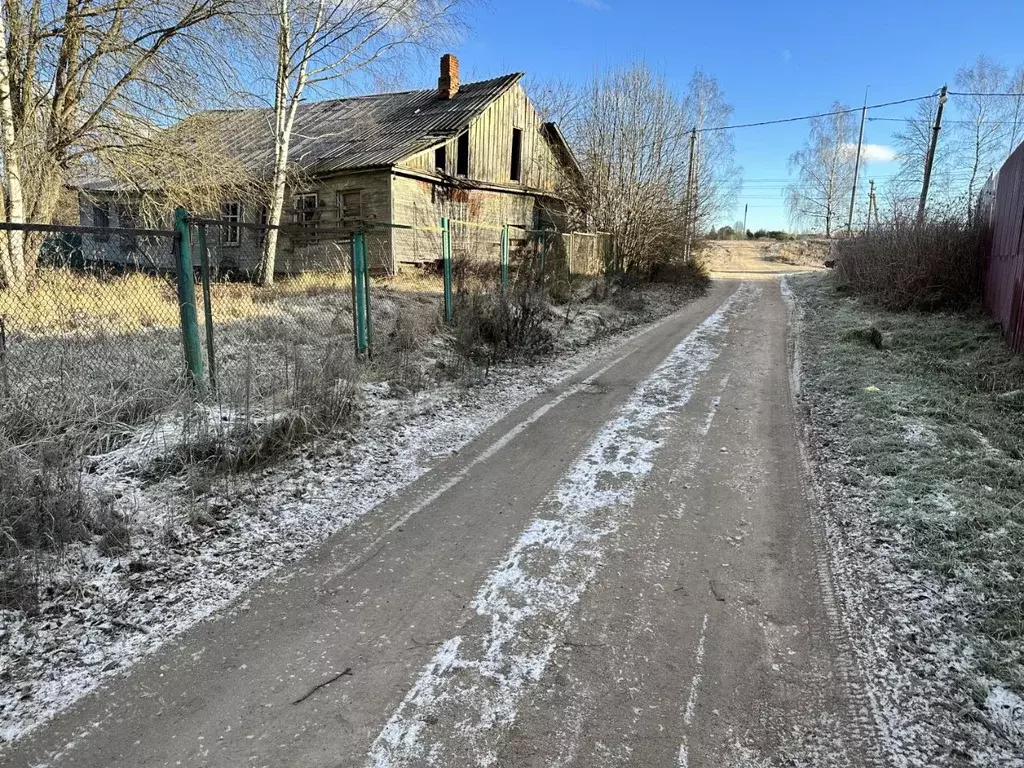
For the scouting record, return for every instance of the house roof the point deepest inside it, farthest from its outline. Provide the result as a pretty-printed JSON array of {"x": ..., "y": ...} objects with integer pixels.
[{"x": 359, "y": 132}]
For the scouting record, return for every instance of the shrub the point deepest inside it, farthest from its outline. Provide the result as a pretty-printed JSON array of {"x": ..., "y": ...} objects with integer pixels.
[
  {"x": 937, "y": 265},
  {"x": 489, "y": 328}
]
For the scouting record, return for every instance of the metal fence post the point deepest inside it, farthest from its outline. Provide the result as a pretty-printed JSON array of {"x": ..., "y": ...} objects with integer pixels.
[
  {"x": 504, "y": 258},
  {"x": 359, "y": 290},
  {"x": 366, "y": 303},
  {"x": 204, "y": 265},
  {"x": 187, "y": 298},
  {"x": 446, "y": 263}
]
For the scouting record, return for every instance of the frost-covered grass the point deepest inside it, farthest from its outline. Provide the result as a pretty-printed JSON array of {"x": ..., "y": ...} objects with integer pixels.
[
  {"x": 168, "y": 515},
  {"x": 917, "y": 431}
]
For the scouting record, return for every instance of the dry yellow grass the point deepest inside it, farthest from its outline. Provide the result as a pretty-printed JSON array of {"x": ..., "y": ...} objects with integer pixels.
[{"x": 64, "y": 301}]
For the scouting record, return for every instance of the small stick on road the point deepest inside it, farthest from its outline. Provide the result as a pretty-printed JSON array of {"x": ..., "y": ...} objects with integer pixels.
[
  {"x": 315, "y": 688},
  {"x": 714, "y": 591}
]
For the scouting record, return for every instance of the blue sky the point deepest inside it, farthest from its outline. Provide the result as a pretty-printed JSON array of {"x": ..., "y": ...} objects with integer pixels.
[{"x": 773, "y": 59}]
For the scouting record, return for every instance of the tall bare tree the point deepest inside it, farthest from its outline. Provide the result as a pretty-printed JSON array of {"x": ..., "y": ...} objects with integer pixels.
[
  {"x": 320, "y": 42},
  {"x": 824, "y": 166},
  {"x": 82, "y": 76},
  {"x": 631, "y": 133},
  {"x": 717, "y": 177},
  {"x": 981, "y": 130}
]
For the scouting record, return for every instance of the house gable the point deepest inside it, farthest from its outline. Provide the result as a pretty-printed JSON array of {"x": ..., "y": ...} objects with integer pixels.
[{"x": 492, "y": 136}]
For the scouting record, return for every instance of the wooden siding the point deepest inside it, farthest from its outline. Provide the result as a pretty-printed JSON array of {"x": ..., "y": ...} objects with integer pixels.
[
  {"x": 490, "y": 146},
  {"x": 421, "y": 203}
]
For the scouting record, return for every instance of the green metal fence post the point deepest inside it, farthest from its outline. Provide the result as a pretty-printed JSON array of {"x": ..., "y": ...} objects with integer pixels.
[
  {"x": 446, "y": 263},
  {"x": 359, "y": 290},
  {"x": 366, "y": 303},
  {"x": 187, "y": 298},
  {"x": 504, "y": 258},
  {"x": 204, "y": 264}
]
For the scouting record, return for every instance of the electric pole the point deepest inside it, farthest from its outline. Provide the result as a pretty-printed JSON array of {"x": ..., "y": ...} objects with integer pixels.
[
  {"x": 871, "y": 206},
  {"x": 745, "y": 207},
  {"x": 856, "y": 163},
  {"x": 930, "y": 158},
  {"x": 688, "y": 224}
]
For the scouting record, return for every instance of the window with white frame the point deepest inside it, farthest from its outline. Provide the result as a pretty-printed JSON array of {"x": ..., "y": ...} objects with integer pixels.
[
  {"x": 231, "y": 215},
  {"x": 307, "y": 209}
]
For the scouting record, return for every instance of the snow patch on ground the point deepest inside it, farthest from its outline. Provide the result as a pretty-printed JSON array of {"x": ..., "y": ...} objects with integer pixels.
[
  {"x": 469, "y": 693},
  {"x": 196, "y": 550}
]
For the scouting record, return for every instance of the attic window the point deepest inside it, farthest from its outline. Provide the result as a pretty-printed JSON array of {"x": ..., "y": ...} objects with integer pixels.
[
  {"x": 441, "y": 158},
  {"x": 516, "y": 173},
  {"x": 462, "y": 160}
]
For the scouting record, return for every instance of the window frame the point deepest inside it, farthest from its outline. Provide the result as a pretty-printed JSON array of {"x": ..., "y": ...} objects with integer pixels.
[
  {"x": 231, "y": 222},
  {"x": 345, "y": 219},
  {"x": 441, "y": 158},
  {"x": 516, "y": 165},
  {"x": 302, "y": 211},
  {"x": 462, "y": 155}
]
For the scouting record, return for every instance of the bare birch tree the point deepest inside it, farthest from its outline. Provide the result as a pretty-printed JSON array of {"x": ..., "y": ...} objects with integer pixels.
[
  {"x": 717, "y": 177},
  {"x": 81, "y": 76},
  {"x": 317, "y": 42},
  {"x": 981, "y": 131},
  {"x": 825, "y": 170}
]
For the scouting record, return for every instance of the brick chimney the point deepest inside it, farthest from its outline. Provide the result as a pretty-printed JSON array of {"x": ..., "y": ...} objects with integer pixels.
[{"x": 448, "y": 82}]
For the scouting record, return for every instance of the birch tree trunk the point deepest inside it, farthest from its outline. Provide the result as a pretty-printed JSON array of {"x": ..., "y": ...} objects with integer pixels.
[
  {"x": 287, "y": 97},
  {"x": 12, "y": 254}
]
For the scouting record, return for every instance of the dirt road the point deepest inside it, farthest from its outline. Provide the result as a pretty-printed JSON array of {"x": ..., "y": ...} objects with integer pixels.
[
  {"x": 758, "y": 259},
  {"x": 622, "y": 572}
]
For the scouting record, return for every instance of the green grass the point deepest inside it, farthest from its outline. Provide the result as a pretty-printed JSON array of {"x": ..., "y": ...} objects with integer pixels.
[{"x": 940, "y": 446}]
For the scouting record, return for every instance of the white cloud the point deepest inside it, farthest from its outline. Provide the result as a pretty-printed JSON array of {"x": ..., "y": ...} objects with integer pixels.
[
  {"x": 873, "y": 153},
  {"x": 594, "y": 5}
]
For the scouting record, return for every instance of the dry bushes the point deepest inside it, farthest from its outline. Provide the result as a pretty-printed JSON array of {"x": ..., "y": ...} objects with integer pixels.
[{"x": 936, "y": 265}]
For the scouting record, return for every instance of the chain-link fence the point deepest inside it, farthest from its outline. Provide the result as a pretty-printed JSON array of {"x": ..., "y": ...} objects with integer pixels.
[
  {"x": 94, "y": 342},
  {"x": 92, "y": 338}
]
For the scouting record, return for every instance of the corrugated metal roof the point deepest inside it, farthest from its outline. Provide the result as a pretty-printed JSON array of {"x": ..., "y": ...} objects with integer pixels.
[{"x": 359, "y": 132}]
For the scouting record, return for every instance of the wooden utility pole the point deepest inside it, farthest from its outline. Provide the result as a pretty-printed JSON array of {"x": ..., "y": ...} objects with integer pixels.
[
  {"x": 856, "y": 164},
  {"x": 930, "y": 158},
  {"x": 871, "y": 206},
  {"x": 689, "y": 224}
]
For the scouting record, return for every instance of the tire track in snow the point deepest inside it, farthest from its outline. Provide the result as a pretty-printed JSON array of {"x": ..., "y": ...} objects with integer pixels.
[{"x": 467, "y": 696}]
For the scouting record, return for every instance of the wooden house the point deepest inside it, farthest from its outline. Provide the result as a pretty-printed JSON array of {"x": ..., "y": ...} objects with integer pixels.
[{"x": 393, "y": 165}]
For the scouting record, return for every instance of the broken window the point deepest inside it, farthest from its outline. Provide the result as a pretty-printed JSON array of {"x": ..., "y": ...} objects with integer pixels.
[
  {"x": 462, "y": 161},
  {"x": 231, "y": 215},
  {"x": 441, "y": 159},
  {"x": 517, "y": 155}
]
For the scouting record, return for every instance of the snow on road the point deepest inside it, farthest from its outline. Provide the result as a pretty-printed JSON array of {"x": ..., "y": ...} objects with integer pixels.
[
  {"x": 261, "y": 524},
  {"x": 469, "y": 692}
]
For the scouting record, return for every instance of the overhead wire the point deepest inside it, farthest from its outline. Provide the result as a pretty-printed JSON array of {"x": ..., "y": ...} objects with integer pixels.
[{"x": 812, "y": 117}]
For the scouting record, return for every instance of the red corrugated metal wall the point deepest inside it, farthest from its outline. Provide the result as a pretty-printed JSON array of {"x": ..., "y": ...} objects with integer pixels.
[{"x": 1004, "y": 263}]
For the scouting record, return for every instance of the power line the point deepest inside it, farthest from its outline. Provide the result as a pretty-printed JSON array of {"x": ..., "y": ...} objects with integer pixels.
[
  {"x": 961, "y": 93},
  {"x": 812, "y": 117}
]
